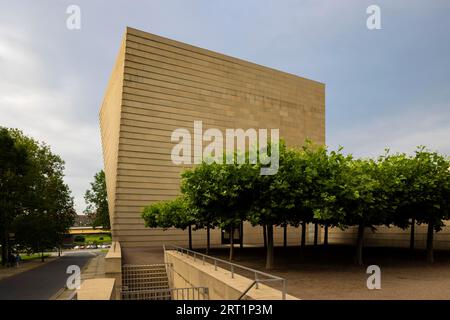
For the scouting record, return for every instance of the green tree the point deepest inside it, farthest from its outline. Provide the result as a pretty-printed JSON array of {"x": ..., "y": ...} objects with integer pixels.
[
  {"x": 97, "y": 202},
  {"x": 396, "y": 172},
  {"x": 356, "y": 198},
  {"x": 177, "y": 213},
  {"x": 362, "y": 207},
  {"x": 275, "y": 199},
  {"x": 328, "y": 184},
  {"x": 425, "y": 195},
  {"x": 315, "y": 176},
  {"x": 14, "y": 166},
  {"x": 220, "y": 192},
  {"x": 195, "y": 185},
  {"x": 47, "y": 206}
]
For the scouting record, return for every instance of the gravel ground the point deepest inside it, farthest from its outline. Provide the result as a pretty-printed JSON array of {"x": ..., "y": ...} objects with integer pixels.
[{"x": 329, "y": 273}]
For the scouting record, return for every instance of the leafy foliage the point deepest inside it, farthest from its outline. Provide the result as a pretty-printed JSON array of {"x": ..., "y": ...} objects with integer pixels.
[
  {"x": 316, "y": 185},
  {"x": 175, "y": 213},
  {"x": 97, "y": 202},
  {"x": 14, "y": 166},
  {"x": 40, "y": 204}
]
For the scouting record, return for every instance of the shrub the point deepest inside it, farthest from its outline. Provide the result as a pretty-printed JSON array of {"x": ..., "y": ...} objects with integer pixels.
[{"x": 79, "y": 239}]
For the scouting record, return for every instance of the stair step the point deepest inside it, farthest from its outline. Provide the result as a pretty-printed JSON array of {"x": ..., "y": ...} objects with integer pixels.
[
  {"x": 147, "y": 284},
  {"x": 134, "y": 271},
  {"x": 149, "y": 267},
  {"x": 144, "y": 274},
  {"x": 144, "y": 270},
  {"x": 147, "y": 288},
  {"x": 145, "y": 278}
]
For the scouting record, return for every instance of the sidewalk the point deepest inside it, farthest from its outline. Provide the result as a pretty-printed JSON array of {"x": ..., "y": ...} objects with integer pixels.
[
  {"x": 24, "y": 266},
  {"x": 95, "y": 268}
]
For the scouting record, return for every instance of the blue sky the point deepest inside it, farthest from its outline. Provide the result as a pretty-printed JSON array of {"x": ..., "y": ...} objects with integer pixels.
[{"x": 384, "y": 88}]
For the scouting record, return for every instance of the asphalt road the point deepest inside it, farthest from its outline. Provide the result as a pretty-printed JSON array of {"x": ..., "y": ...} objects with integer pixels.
[{"x": 43, "y": 282}]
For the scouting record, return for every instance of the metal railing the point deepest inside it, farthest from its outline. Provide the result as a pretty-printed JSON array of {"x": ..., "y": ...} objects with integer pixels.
[
  {"x": 258, "y": 276},
  {"x": 191, "y": 293}
]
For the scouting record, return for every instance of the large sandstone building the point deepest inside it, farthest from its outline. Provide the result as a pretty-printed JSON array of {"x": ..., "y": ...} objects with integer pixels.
[{"x": 158, "y": 85}]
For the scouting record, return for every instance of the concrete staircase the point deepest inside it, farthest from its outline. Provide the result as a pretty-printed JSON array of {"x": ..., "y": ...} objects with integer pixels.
[{"x": 145, "y": 282}]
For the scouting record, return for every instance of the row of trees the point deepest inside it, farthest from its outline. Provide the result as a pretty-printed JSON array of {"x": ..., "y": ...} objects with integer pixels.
[
  {"x": 313, "y": 185},
  {"x": 36, "y": 207}
]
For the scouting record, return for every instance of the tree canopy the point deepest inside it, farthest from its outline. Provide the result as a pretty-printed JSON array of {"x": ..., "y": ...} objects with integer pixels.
[
  {"x": 314, "y": 184},
  {"x": 36, "y": 204},
  {"x": 97, "y": 202}
]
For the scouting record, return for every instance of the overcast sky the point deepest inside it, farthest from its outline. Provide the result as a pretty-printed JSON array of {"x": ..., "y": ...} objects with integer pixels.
[{"x": 384, "y": 88}]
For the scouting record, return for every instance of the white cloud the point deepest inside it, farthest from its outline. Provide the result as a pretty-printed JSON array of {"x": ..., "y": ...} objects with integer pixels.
[
  {"x": 401, "y": 132},
  {"x": 45, "y": 113}
]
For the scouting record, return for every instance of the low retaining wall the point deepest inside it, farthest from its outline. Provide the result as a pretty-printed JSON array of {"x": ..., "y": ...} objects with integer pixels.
[
  {"x": 97, "y": 289},
  {"x": 184, "y": 272},
  {"x": 392, "y": 237},
  {"x": 113, "y": 266},
  {"x": 252, "y": 235}
]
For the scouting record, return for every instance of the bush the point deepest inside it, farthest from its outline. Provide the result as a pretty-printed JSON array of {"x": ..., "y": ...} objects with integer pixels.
[{"x": 79, "y": 239}]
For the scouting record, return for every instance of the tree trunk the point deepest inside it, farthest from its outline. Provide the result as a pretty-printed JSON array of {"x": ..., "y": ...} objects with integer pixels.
[
  {"x": 241, "y": 235},
  {"x": 316, "y": 233},
  {"x": 430, "y": 234},
  {"x": 265, "y": 236},
  {"x": 325, "y": 235},
  {"x": 42, "y": 256},
  {"x": 411, "y": 239},
  {"x": 303, "y": 241},
  {"x": 190, "y": 237},
  {"x": 285, "y": 236},
  {"x": 4, "y": 248},
  {"x": 208, "y": 239},
  {"x": 231, "y": 243},
  {"x": 359, "y": 245},
  {"x": 269, "y": 257}
]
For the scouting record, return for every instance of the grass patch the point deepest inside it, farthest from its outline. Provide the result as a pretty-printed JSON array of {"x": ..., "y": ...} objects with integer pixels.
[
  {"x": 33, "y": 256},
  {"x": 100, "y": 238},
  {"x": 29, "y": 257}
]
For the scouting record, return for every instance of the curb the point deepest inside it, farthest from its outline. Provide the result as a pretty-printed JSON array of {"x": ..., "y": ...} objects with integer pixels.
[{"x": 31, "y": 268}]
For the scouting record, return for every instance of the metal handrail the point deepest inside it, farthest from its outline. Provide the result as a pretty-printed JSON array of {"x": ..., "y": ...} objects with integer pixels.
[
  {"x": 248, "y": 289},
  {"x": 201, "y": 292},
  {"x": 232, "y": 267}
]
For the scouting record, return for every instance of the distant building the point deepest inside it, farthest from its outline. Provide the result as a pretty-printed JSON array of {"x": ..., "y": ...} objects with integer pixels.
[{"x": 82, "y": 220}]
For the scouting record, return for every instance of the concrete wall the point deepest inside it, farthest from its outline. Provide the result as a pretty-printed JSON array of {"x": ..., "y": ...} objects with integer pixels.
[
  {"x": 113, "y": 266},
  {"x": 97, "y": 289},
  {"x": 185, "y": 272},
  {"x": 110, "y": 129},
  {"x": 252, "y": 236},
  {"x": 159, "y": 85},
  {"x": 392, "y": 237}
]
